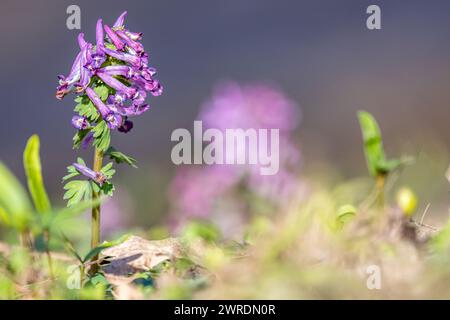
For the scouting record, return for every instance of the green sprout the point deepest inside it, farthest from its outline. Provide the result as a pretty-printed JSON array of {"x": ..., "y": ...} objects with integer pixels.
[
  {"x": 32, "y": 219},
  {"x": 379, "y": 167}
]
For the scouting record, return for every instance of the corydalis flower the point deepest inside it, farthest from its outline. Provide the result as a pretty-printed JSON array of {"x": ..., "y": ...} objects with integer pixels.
[
  {"x": 96, "y": 176},
  {"x": 80, "y": 123},
  {"x": 113, "y": 119},
  {"x": 126, "y": 73}
]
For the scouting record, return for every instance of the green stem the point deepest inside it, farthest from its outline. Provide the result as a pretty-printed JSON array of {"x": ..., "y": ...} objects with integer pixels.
[
  {"x": 380, "y": 183},
  {"x": 47, "y": 252},
  {"x": 95, "y": 232}
]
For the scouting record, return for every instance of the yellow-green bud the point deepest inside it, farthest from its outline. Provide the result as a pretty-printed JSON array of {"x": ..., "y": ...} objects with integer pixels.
[{"x": 406, "y": 201}]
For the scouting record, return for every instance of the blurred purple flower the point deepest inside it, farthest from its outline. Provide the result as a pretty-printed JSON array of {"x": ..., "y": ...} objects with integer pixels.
[
  {"x": 116, "y": 211},
  {"x": 197, "y": 191}
]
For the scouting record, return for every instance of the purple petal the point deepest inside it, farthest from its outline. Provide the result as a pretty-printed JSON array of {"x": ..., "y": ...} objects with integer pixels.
[
  {"x": 80, "y": 123},
  {"x": 81, "y": 42},
  {"x": 114, "y": 120},
  {"x": 65, "y": 83},
  {"x": 114, "y": 38},
  {"x": 120, "y": 20},
  {"x": 157, "y": 89},
  {"x": 87, "y": 140},
  {"x": 116, "y": 84},
  {"x": 129, "y": 58},
  {"x": 101, "y": 107},
  {"x": 134, "y": 35},
  {"x": 99, "y": 36},
  {"x": 136, "y": 46},
  {"x": 85, "y": 73},
  {"x": 123, "y": 71},
  {"x": 97, "y": 176}
]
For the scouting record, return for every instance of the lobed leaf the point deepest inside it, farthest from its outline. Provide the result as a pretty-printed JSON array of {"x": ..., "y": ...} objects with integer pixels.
[
  {"x": 102, "y": 136},
  {"x": 77, "y": 191},
  {"x": 120, "y": 157}
]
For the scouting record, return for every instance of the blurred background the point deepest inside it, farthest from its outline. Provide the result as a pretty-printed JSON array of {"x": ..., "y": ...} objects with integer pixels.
[{"x": 318, "y": 53}]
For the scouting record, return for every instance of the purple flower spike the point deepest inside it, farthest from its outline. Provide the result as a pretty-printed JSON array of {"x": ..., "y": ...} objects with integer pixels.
[
  {"x": 116, "y": 84},
  {"x": 120, "y": 21},
  {"x": 126, "y": 126},
  {"x": 114, "y": 120},
  {"x": 96, "y": 176},
  {"x": 118, "y": 43},
  {"x": 80, "y": 123}
]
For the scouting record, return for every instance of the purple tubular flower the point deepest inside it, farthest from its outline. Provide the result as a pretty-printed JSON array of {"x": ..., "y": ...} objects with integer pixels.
[
  {"x": 95, "y": 59},
  {"x": 136, "y": 46},
  {"x": 134, "y": 35},
  {"x": 118, "y": 43},
  {"x": 85, "y": 73},
  {"x": 126, "y": 57},
  {"x": 87, "y": 140},
  {"x": 79, "y": 76},
  {"x": 99, "y": 35},
  {"x": 65, "y": 83},
  {"x": 129, "y": 111},
  {"x": 120, "y": 21},
  {"x": 116, "y": 100},
  {"x": 157, "y": 89},
  {"x": 96, "y": 176},
  {"x": 80, "y": 123},
  {"x": 123, "y": 71},
  {"x": 81, "y": 42},
  {"x": 113, "y": 119},
  {"x": 116, "y": 84}
]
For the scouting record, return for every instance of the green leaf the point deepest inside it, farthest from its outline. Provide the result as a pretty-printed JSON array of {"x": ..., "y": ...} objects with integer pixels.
[
  {"x": 33, "y": 171},
  {"x": 77, "y": 191},
  {"x": 108, "y": 188},
  {"x": 86, "y": 108},
  {"x": 373, "y": 144},
  {"x": 70, "y": 247},
  {"x": 106, "y": 244},
  {"x": 102, "y": 91},
  {"x": 14, "y": 200},
  {"x": 108, "y": 171},
  {"x": 102, "y": 136},
  {"x": 5, "y": 217},
  {"x": 120, "y": 157},
  {"x": 78, "y": 138}
]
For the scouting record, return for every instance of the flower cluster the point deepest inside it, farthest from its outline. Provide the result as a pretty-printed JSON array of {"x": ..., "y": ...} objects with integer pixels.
[{"x": 117, "y": 60}]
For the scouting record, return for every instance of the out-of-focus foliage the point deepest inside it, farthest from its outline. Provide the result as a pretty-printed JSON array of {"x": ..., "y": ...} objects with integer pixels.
[{"x": 33, "y": 171}]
